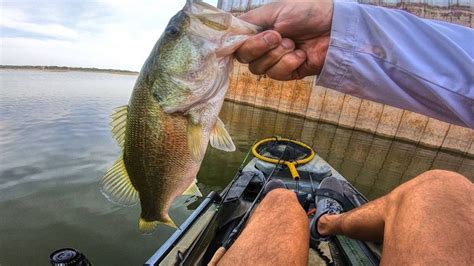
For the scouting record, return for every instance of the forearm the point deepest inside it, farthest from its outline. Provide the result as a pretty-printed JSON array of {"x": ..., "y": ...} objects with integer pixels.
[{"x": 397, "y": 59}]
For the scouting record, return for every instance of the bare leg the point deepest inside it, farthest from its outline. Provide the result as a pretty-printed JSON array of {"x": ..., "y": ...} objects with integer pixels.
[
  {"x": 277, "y": 234},
  {"x": 428, "y": 220}
]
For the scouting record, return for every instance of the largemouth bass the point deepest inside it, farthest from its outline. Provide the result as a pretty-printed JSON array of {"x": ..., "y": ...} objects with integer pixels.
[{"x": 173, "y": 112}]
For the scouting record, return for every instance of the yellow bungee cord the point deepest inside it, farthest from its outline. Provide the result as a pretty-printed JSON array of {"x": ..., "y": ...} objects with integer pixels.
[{"x": 291, "y": 164}]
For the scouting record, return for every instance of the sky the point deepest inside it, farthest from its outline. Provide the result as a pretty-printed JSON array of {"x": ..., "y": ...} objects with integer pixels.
[{"x": 115, "y": 34}]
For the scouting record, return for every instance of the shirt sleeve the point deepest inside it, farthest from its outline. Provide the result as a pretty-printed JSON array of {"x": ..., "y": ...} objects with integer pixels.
[{"x": 393, "y": 57}]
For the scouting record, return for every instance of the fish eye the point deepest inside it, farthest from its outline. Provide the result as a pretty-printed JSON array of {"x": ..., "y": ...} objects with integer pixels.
[{"x": 172, "y": 31}]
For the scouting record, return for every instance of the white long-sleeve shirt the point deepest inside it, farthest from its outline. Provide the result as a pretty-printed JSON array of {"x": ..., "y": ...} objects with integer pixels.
[{"x": 393, "y": 57}]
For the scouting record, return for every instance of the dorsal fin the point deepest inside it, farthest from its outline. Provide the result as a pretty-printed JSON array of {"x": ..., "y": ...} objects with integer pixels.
[
  {"x": 119, "y": 124},
  {"x": 117, "y": 187}
]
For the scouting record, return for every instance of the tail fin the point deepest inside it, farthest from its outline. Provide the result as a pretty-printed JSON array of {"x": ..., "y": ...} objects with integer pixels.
[{"x": 148, "y": 227}]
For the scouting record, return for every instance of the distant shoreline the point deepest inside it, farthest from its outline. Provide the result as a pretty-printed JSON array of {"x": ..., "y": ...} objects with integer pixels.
[{"x": 67, "y": 69}]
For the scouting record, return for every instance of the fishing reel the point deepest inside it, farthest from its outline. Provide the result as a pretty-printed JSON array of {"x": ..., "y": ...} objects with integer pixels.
[{"x": 68, "y": 257}]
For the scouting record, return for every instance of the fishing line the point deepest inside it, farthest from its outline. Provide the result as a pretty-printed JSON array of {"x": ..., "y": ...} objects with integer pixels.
[
  {"x": 319, "y": 119},
  {"x": 307, "y": 106},
  {"x": 278, "y": 109},
  {"x": 254, "y": 106},
  {"x": 233, "y": 101},
  {"x": 236, "y": 176},
  {"x": 311, "y": 181},
  {"x": 292, "y": 100},
  {"x": 290, "y": 117},
  {"x": 224, "y": 197},
  {"x": 241, "y": 167},
  {"x": 297, "y": 187},
  {"x": 237, "y": 230}
]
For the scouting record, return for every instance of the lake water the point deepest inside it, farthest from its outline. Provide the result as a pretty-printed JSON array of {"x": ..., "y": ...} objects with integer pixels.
[{"x": 55, "y": 145}]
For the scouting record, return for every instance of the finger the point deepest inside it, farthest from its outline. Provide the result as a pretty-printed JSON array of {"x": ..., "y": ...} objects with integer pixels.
[
  {"x": 286, "y": 68},
  {"x": 306, "y": 69},
  {"x": 264, "y": 63},
  {"x": 264, "y": 16},
  {"x": 314, "y": 63},
  {"x": 258, "y": 45}
]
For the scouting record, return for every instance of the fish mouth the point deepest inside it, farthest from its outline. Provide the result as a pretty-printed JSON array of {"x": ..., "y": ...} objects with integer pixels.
[{"x": 208, "y": 16}]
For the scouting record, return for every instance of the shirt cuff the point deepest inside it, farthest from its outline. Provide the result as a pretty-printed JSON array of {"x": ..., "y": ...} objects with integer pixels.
[{"x": 342, "y": 45}]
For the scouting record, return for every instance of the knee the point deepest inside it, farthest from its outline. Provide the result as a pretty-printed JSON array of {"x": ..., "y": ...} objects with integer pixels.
[
  {"x": 439, "y": 182},
  {"x": 449, "y": 182},
  {"x": 283, "y": 201},
  {"x": 280, "y": 196},
  {"x": 441, "y": 177}
]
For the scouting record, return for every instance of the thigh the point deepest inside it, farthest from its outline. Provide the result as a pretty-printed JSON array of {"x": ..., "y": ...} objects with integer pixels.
[
  {"x": 430, "y": 220},
  {"x": 277, "y": 234}
]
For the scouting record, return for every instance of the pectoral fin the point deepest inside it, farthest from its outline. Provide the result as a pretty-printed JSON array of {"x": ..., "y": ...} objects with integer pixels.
[
  {"x": 220, "y": 138},
  {"x": 197, "y": 147},
  {"x": 193, "y": 190},
  {"x": 117, "y": 187}
]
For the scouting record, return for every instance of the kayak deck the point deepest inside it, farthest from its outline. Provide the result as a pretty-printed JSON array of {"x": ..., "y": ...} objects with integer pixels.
[{"x": 213, "y": 221}]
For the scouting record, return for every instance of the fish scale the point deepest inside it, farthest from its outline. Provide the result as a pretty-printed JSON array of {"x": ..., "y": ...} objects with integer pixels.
[{"x": 173, "y": 112}]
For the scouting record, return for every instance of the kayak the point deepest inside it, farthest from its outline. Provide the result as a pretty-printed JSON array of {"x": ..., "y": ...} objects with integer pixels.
[{"x": 220, "y": 218}]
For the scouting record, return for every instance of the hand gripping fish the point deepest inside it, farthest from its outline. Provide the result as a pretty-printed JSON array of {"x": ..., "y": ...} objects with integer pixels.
[{"x": 173, "y": 112}]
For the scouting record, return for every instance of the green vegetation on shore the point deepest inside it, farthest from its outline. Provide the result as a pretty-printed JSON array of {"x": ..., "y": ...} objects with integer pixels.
[{"x": 64, "y": 69}]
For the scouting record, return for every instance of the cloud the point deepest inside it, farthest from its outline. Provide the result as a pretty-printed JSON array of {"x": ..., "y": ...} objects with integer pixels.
[
  {"x": 15, "y": 19},
  {"x": 103, "y": 33}
]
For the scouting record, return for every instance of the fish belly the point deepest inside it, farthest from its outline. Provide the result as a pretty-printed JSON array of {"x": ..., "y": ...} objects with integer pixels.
[{"x": 158, "y": 160}]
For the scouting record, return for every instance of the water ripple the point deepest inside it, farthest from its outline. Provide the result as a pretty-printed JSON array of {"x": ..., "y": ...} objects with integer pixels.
[{"x": 55, "y": 144}]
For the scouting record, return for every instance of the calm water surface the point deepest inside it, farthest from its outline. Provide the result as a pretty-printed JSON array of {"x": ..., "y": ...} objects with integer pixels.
[{"x": 55, "y": 145}]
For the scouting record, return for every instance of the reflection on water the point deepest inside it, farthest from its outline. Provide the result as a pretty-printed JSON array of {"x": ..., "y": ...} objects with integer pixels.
[
  {"x": 374, "y": 164},
  {"x": 55, "y": 144}
]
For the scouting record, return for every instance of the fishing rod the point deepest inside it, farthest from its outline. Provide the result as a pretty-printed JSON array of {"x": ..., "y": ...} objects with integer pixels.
[
  {"x": 292, "y": 164},
  {"x": 185, "y": 256},
  {"x": 238, "y": 229},
  {"x": 236, "y": 176},
  {"x": 245, "y": 218}
]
